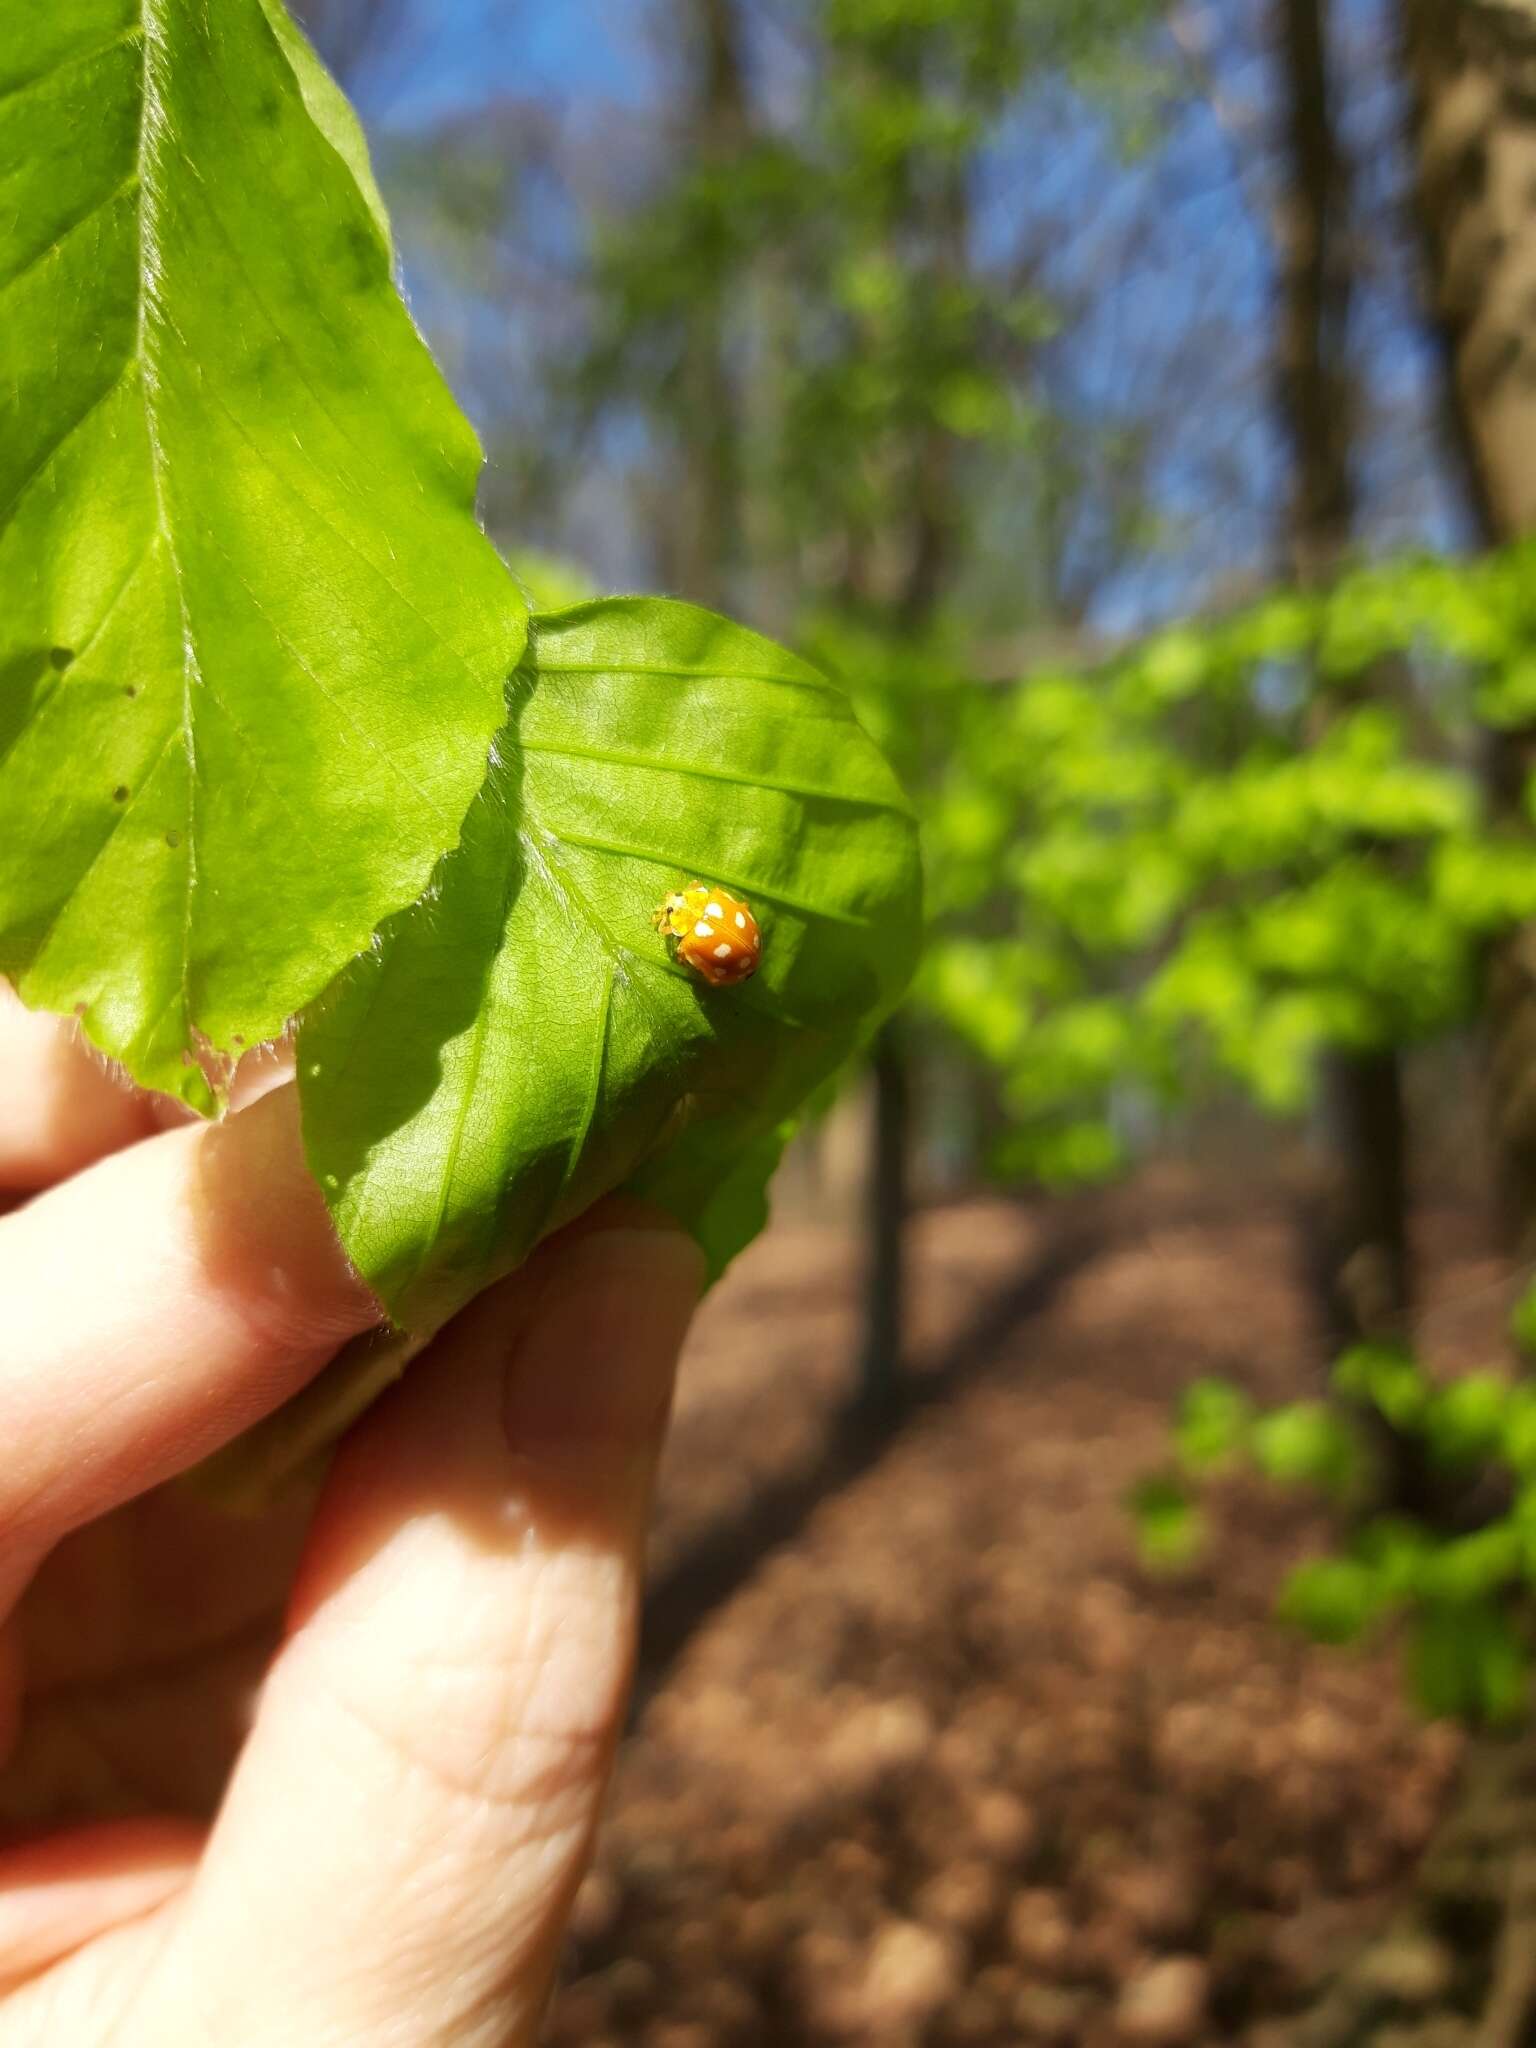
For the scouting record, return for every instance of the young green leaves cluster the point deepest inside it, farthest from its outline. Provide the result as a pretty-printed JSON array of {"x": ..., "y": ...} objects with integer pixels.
[
  {"x": 1457, "y": 1589},
  {"x": 276, "y": 740},
  {"x": 1228, "y": 847}
]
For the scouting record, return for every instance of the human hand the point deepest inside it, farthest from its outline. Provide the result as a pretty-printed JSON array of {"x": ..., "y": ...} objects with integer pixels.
[{"x": 411, "y": 1796}]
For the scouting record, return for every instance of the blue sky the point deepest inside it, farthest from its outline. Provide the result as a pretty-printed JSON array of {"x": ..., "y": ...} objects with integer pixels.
[{"x": 462, "y": 53}]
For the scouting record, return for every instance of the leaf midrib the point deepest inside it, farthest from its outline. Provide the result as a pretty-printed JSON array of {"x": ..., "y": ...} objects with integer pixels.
[{"x": 151, "y": 121}]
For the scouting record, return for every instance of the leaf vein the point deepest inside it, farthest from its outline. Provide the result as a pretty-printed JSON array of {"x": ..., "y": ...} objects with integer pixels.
[
  {"x": 675, "y": 673},
  {"x": 117, "y": 597},
  {"x": 73, "y": 63},
  {"x": 367, "y": 739},
  {"x": 280, "y": 334},
  {"x": 560, "y": 879},
  {"x": 734, "y": 879},
  {"x": 469, "y": 1081},
  {"x": 8, "y": 513},
  {"x": 594, "y": 1097},
  {"x": 330, "y": 526},
  {"x": 151, "y": 128},
  {"x": 40, "y": 705},
  {"x": 621, "y": 757},
  {"x": 119, "y": 816},
  {"x": 120, "y": 191}
]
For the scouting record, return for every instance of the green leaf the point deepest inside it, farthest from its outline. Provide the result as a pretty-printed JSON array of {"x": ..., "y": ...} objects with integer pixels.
[
  {"x": 1213, "y": 1425},
  {"x": 329, "y": 109},
  {"x": 1518, "y": 1437},
  {"x": 253, "y": 646},
  {"x": 1399, "y": 1551},
  {"x": 1170, "y": 1529},
  {"x": 1334, "y": 1599},
  {"x": 1306, "y": 1444},
  {"x": 715, "y": 1179},
  {"x": 1522, "y": 1323},
  {"x": 1389, "y": 1378},
  {"x": 1468, "y": 1568},
  {"x": 522, "y": 1040},
  {"x": 1467, "y": 1662},
  {"x": 1464, "y": 1421}
]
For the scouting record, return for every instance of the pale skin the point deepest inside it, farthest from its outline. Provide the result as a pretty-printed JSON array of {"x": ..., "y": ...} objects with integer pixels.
[{"x": 327, "y": 1780}]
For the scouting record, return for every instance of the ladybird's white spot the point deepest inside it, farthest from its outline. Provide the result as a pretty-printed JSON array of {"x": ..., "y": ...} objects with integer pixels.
[
  {"x": 703, "y": 931},
  {"x": 741, "y": 920},
  {"x": 713, "y": 910},
  {"x": 723, "y": 952}
]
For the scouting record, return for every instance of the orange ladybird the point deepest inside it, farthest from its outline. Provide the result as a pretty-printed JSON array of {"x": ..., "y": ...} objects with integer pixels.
[{"x": 715, "y": 933}]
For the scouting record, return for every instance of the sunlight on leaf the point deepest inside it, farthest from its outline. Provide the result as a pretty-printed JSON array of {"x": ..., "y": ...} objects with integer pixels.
[
  {"x": 254, "y": 645},
  {"x": 522, "y": 1039}
]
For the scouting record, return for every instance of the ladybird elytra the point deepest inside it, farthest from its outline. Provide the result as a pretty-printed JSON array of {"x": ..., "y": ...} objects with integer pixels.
[{"x": 712, "y": 932}]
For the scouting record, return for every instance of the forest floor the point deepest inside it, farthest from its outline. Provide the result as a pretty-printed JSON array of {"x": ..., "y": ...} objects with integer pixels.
[{"x": 924, "y": 1754}]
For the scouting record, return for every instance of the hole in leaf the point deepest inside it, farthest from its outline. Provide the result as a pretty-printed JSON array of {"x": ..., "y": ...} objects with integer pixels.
[
  {"x": 61, "y": 657},
  {"x": 120, "y": 794},
  {"x": 130, "y": 689}
]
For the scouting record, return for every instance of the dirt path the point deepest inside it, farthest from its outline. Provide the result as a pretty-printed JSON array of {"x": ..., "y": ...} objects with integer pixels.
[{"x": 945, "y": 1765}]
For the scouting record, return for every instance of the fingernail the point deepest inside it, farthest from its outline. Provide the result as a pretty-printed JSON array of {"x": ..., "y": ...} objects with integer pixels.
[{"x": 598, "y": 1359}]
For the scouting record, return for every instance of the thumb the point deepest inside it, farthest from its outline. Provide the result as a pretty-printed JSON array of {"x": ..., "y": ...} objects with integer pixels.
[{"x": 416, "y": 1803}]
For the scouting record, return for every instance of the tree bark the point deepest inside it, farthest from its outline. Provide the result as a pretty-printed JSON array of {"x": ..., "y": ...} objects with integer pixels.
[
  {"x": 1472, "y": 69},
  {"x": 1365, "y": 1271},
  {"x": 881, "y": 1385},
  {"x": 927, "y": 552},
  {"x": 1368, "y": 1277},
  {"x": 1315, "y": 286},
  {"x": 709, "y": 509}
]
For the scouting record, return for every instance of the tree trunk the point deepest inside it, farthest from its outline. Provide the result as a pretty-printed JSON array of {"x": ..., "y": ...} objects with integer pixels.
[
  {"x": 1367, "y": 1279},
  {"x": 1364, "y": 1266},
  {"x": 1315, "y": 285},
  {"x": 1472, "y": 69},
  {"x": 708, "y": 509},
  {"x": 925, "y": 548},
  {"x": 882, "y": 1384}
]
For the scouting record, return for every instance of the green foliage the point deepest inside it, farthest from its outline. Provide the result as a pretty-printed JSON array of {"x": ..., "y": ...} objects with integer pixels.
[
  {"x": 1334, "y": 1599},
  {"x": 1463, "y": 1424},
  {"x": 1213, "y": 1427},
  {"x": 1522, "y": 1323},
  {"x": 1170, "y": 1529},
  {"x": 553, "y": 1043},
  {"x": 1387, "y": 1377},
  {"x": 1469, "y": 1662},
  {"x": 253, "y": 644},
  {"x": 1307, "y": 1443},
  {"x": 1230, "y": 847},
  {"x": 277, "y": 741},
  {"x": 1462, "y": 1596}
]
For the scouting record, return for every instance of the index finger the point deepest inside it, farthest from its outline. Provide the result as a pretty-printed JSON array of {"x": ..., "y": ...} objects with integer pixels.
[{"x": 152, "y": 1308}]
